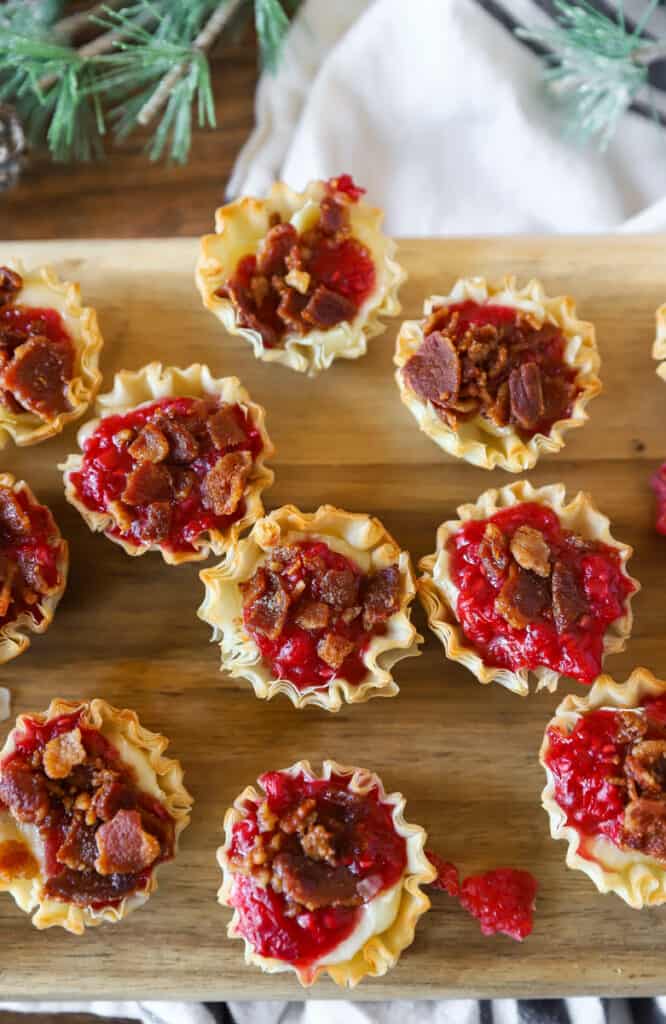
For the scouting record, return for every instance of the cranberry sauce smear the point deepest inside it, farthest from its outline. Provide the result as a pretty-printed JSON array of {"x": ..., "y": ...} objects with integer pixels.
[
  {"x": 31, "y": 795},
  {"x": 295, "y": 283},
  {"x": 367, "y": 847},
  {"x": 34, "y": 548},
  {"x": 587, "y": 766},
  {"x": 575, "y": 651},
  {"x": 502, "y": 900},
  {"x": 293, "y": 654},
  {"x": 658, "y": 484},
  {"x": 107, "y": 464}
]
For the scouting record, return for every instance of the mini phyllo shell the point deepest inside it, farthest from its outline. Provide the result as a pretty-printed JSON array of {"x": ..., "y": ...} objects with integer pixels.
[
  {"x": 496, "y": 374},
  {"x": 524, "y": 583},
  {"x": 306, "y": 896},
  {"x": 34, "y": 560},
  {"x": 315, "y": 606},
  {"x": 659, "y": 347},
  {"x": 49, "y": 354},
  {"x": 89, "y": 808},
  {"x": 306, "y": 277},
  {"x": 174, "y": 462},
  {"x": 605, "y": 761}
]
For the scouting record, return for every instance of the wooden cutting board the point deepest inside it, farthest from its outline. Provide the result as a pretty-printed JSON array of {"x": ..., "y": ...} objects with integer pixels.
[{"x": 464, "y": 755}]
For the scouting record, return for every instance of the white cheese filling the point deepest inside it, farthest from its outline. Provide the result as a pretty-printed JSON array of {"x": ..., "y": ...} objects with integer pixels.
[{"x": 375, "y": 917}]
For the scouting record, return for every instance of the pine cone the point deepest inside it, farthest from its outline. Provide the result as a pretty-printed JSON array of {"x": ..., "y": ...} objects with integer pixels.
[{"x": 12, "y": 147}]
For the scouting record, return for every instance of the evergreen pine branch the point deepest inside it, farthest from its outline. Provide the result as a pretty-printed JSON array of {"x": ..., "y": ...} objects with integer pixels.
[
  {"x": 149, "y": 60},
  {"x": 271, "y": 22},
  {"x": 596, "y": 67}
]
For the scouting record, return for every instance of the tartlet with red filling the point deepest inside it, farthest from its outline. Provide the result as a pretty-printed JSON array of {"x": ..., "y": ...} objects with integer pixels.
[
  {"x": 659, "y": 347},
  {"x": 315, "y": 606},
  {"x": 173, "y": 463},
  {"x": 495, "y": 374},
  {"x": 305, "y": 277},
  {"x": 605, "y": 761},
  {"x": 323, "y": 873},
  {"x": 34, "y": 560},
  {"x": 49, "y": 354},
  {"x": 89, "y": 809},
  {"x": 524, "y": 584}
]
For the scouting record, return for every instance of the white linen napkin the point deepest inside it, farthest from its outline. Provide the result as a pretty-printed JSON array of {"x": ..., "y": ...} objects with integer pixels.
[{"x": 439, "y": 111}]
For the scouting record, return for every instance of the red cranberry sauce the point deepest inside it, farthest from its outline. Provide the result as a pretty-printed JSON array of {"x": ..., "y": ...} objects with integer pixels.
[
  {"x": 30, "y": 795},
  {"x": 337, "y": 273},
  {"x": 577, "y": 651},
  {"x": 586, "y": 765},
  {"x": 293, "y": 654},
  {"x": 659, "y": 487},
  {"x": 367, "y": 844},
  {"x": 502, "y": 900},
  {"x": 35, "y": 553},
  {"x": 107, "y": 464}
]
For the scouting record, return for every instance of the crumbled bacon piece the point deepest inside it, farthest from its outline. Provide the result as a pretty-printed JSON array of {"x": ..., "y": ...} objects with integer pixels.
[
  {"x": 183, "y": 446},
  {"x": 645, "y": 767},
  {"x": 314, "y": 884},
  {"x": 317, "y": 845},
  {"x": 150, "y": 445},
  {"x": 530, "y": 549},
  {"x": 300, "y": 817},
  {"x": 526, "y": 395},
  {"x": 273, "y": 251},
  {"x": 224, "y": 428},
  {"x": 644, "y": 826},
  {"x": 184, "y": 481},
  {"x": 333, "y": 649},
  {"x": 62, "y": 753},
  {"x": 523, "y": 597},
  {"x": 124, "y": 847},
  {"x": 38, "y": 376},
  {"x": 146, "y": 483},
  {"x": 338, "y": 587},
  {"x": 78, "y": 850},
  {"x": 7, "y": 574},
  {"x": 267, "y": 603},
  {"x": 381, "y": 598},
  {"x": 24, "y": 792},
  {"x": 14, "y": 520},
  {"x": 110, "y": 797},
  {"x": 122, "y": 516},
  {"x": 327, "y": 308},
  {"x": 312, "y": 615},
  {"x": 569, "y": 601},
  {"x": 493, "y": 552},
  {"x": 157, "y": 523},
  {"x": 291, "y": 305},
  {"x": 630, "y": 726},
  {"x": 10, "y": 285},
  {"x": 434, "y": 371},
  {"x": 332, "y": 215},
  {"x": 224, "y": 484}
]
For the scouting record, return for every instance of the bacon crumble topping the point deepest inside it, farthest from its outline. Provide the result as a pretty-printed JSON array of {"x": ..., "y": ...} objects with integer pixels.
[
  {"x": 184, "y": 464},
  {"x": 30, "y": 552},
  {"x": 297, "y": 282},
  {"x": 509, "y": 368},
  {"x": 37, "y": 356},
  {"x": 100, "y": 833},
  {"x": 332, "y": 606}
]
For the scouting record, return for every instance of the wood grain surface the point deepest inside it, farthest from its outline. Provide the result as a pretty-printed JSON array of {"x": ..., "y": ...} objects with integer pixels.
[
  {"x": 126, "y": 195},
  {"x": 465, "y": 756}
]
